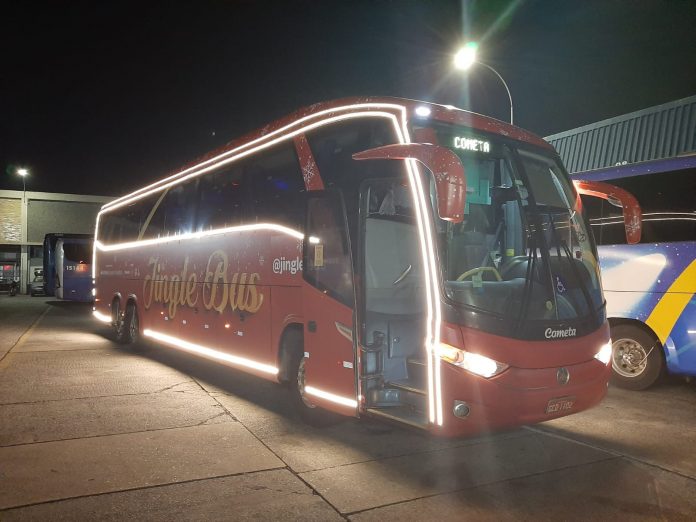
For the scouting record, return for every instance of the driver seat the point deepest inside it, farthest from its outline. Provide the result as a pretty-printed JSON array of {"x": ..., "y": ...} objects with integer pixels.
[{"x": 469, "y": 249}]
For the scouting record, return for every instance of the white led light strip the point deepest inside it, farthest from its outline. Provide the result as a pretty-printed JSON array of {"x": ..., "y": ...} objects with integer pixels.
[
  {"x": 433, "y": 323},
  {"x": 210, "y": 352},
  {"x": 217, "y": 159},
  {"x": 422, "y": 213},
  {"x": 332, "y": 397},
  {"x": 207, "y": 166},
  {"x": 197, "y": 235},
  {"x": 94, "y": 252}
]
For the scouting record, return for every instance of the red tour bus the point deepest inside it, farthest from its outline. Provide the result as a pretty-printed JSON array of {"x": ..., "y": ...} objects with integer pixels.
[{"x": 383, "y": 257}]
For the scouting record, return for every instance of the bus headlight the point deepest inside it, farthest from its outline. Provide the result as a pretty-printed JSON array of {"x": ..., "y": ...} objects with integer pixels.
[
  {"x": 604, "y": 353},
  {"x": 472, "y": 362}
]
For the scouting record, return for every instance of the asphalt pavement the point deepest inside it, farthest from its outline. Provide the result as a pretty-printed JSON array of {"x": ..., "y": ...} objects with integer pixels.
[{"x": 90, "y": 431}]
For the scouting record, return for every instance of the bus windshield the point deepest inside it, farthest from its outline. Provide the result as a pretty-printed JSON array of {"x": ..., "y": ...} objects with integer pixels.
[
  {"x": 78, "y": 252},
  {"x": 522, "y": 251}
]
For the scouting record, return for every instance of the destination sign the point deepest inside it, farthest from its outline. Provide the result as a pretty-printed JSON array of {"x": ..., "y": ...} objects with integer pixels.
[{"x": 472, "y": 144}]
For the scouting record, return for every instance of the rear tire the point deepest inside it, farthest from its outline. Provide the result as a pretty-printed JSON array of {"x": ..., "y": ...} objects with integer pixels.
[
  {"x": 636, "y": 360},
  {"x": 128, "y": 328}
]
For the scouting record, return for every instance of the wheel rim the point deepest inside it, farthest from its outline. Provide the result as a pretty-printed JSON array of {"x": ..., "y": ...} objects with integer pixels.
[
  {"x": 134, "y": 326},
  {"x": 301, "y": 384},
  {"x": 629, "y": 358},
  {"x": 119, "y": 324}
]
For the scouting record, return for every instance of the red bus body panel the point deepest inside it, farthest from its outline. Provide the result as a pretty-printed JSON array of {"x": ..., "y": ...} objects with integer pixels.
[
  {"x": 215, "y": 291},
  {"x": 520, "y": 394}
]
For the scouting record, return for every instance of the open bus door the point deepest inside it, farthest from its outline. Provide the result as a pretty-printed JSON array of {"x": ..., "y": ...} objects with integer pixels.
[{"x": 328, "y": 297}]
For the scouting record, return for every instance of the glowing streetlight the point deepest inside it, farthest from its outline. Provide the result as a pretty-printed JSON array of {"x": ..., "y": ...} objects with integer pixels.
[
  {"x": 466, "y": 57},
  {"x": 24, "y": 173}
]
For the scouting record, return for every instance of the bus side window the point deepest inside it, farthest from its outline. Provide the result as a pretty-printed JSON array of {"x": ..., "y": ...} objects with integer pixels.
[
  {"x": 123, "y": 223},
  {"x": 277, "y": 186},
  {"x": 333, "y": 147},
  {"x": 174, "y": 214},
  {"x": 667, "y": 201},
  {"x": 327, "y": 254},
  {"x": 606, "y": 220},
  {"x": 222, "y": 198}
]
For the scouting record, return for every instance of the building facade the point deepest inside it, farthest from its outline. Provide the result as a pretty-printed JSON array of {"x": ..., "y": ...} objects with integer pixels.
[{"x": 26, "y": 217}]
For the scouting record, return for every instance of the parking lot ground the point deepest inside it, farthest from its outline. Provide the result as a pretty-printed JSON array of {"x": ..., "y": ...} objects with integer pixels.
[{"x": 91, "y": 431}]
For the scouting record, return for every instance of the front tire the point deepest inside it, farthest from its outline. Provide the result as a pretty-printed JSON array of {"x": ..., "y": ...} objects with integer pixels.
[
  {"x": 308, "y": 412},
  {"x": 636, "y": 359}
]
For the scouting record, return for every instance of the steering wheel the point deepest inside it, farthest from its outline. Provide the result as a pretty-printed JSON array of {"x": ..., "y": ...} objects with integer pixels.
[{"x": 478, "y": 270}]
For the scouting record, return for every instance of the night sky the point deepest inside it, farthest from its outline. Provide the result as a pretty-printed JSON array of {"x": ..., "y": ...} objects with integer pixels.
[{"x": 103, "y": 97}]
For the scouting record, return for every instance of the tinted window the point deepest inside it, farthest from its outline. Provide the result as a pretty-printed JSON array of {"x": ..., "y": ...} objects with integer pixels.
[
  {"x": 668, "y": 202},
  {"x": 223, "y": 197},
  {"x": 277, "y": 187},
  {"x": 78, "y": 252},
  {"x": 333, "y": 147},
  {"x": 174, "y": 213},
  {"x": 124, "y": 223},
  {"x": 328, "y": 261}
]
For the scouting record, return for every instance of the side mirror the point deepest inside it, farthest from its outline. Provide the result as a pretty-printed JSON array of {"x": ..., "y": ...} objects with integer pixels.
[
  {"x": 450, "y": 180},
  {"x": 619, "y": 198}
]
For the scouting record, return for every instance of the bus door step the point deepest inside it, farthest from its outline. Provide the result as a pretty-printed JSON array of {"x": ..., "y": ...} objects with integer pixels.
[
  {"x": 401, "y": 415},
  {"x": 408, "y": 386}
]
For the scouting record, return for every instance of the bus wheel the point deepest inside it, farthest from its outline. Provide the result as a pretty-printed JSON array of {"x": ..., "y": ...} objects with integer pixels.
[
  {"x": 636, "y": 359},
  {"x": 128, "y": 328},
  {"x": 309, "y": 413}
]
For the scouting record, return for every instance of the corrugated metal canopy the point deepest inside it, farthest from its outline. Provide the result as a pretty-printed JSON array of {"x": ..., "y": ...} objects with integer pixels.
[{"x": 663, "y": 131}]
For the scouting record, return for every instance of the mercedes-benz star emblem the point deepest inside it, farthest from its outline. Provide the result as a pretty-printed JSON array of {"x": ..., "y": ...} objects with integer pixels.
[{"x": 562, "y": 376}]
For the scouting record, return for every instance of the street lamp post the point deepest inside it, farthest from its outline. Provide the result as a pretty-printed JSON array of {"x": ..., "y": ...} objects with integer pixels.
[
  {"x": 24, "y": 255},
  {"x": 24, "y": 173},
  {"x": 466, "y": 57}
]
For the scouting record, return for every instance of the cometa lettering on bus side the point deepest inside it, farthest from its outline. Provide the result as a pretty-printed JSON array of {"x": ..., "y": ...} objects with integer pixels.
[
  {"x": 550, "y": 333},
  {"x": 471, "y": 144}
]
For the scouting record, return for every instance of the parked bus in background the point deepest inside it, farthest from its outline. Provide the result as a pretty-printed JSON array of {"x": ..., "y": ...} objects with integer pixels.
[
  {"x": 383, "y": 257},
  {"x": 650, "y": 286},
  {"x": 67, "y": 260}
]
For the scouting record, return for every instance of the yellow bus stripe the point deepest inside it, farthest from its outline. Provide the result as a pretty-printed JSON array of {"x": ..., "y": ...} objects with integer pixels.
[{"x": 669, "y": 308}]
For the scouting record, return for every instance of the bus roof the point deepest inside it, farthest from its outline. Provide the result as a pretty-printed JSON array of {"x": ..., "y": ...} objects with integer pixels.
[
  {"x": 442, "y": 113},
  {"x": 638, "y": 169}
]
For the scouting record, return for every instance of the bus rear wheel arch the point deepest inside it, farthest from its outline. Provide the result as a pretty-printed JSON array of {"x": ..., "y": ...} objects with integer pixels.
[{"x": 637, "y": 357}]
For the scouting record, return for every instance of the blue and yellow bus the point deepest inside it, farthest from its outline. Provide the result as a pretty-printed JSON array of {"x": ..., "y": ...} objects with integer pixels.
[{"x": 649, "y": 287}]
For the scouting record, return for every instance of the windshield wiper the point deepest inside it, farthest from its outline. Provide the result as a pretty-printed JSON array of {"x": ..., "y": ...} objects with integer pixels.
[{"x": 528, "y": 281}]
